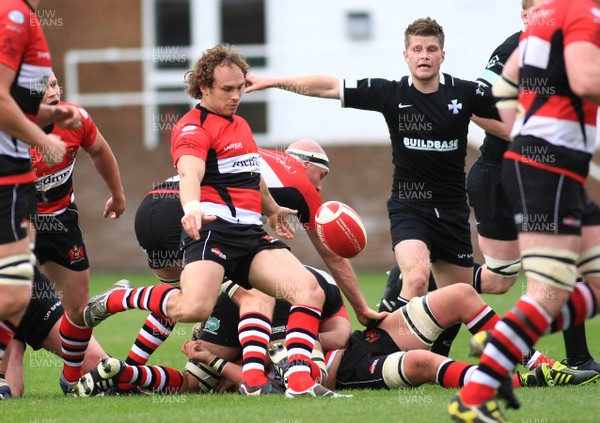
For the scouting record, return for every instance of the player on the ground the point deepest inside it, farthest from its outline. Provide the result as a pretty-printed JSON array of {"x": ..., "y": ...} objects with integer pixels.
[
  {"x": 227, "y": 337},
  {"x": 59, "y": 246},
  {"x": 39, "y": 329},
  {"x": 549, "y": 90},
  {"x": 391, "y": 355}
]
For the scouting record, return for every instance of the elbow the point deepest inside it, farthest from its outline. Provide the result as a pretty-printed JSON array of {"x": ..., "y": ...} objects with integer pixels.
[{"x": 585, "y": 87}]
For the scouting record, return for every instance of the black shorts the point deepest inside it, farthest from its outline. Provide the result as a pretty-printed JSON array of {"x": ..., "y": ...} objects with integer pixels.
[
  {"x": 445, "y": 231},
  {"x": 59, "y": 239},
  {"x": 221, "y": 328},
  {"x": 493, "y": 215},
  {"x": 543, "y": 201},
  {"x": 158, "y": 230},
  {"x": 233, "y": 246},
  {"x": 17, "y": 204},
  {"x": 43, "y": 312},
  {"x": 362, "y": 363}
]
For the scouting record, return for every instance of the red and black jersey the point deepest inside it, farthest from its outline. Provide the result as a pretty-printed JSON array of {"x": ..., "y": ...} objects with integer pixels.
[
  {"x": 289, "y": 185},
  {"x": 563, "y": 123},
  {"x": 23, "y": 48},
  {"x": 230, "y": 188},
  {"x": 55, "y": 184}
]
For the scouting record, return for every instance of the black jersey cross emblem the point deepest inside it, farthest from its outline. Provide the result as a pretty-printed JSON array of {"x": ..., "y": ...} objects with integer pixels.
[{"x": 455, "y": 106}]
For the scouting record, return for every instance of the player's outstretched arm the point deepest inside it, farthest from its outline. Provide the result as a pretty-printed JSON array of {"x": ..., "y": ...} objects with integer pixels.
[{"x": 310, "y": 85}]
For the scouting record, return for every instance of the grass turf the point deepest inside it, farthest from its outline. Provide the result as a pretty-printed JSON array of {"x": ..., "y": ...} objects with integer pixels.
[{"x": 44, "y": 402}]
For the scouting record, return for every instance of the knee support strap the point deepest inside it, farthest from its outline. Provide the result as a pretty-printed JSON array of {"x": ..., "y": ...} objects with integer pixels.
[
  {"x": 504, "y": 268},
  {"x": 551, "y": 266},
  {"x": 16, "y": 270},
  {"x": 589, "y": 262},
  {"x": 175, "y": 283},
  {"x": 393, "y": 371},
  {"x": 421, "y": 321},
  {"x": 206, "y": 376}
]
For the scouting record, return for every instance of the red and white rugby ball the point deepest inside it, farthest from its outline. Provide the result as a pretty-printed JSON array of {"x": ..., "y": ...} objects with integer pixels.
[{"x": 340, "y": 229}]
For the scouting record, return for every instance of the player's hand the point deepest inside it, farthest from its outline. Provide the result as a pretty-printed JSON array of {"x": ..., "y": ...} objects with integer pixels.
[
  {"x": 53, "y": 150},
  {"x": 193, "y": 218},
  {"x": 257, "y": 82},
  {"x": 368, "y": 317},
  {"x": 114, "y": 208},
  {"x": 67, "y": 116},
  {"x": 279, "y": 221},
  {"x": 195, "y": 351}
]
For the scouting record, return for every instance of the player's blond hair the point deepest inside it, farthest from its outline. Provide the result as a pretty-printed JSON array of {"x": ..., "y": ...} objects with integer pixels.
[
  {"x": 425, "y": 27},
  {"x": 204, "y": 70},
  {"x": 526, "y": 4}
]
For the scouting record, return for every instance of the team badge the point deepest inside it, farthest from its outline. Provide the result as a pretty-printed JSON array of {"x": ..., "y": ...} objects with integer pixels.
[
  {"x": 212, "y": 325},
  {"x": 454, "y": 106},
  {"x": 76, "y": 253}
]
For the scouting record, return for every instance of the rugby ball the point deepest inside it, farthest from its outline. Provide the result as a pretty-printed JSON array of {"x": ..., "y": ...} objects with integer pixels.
[{"x": 340, "y": 229}]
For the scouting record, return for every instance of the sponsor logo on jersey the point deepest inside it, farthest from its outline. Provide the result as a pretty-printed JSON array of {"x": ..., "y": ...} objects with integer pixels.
[
  {"x": 17, "y": 17},
  {"x": 218, "y": 253},
  {"x": 279, "y": 329},
  {"x": 188, "y": 128},
  {"x": 212, "y": 325},
  {"x": 47, "y": 182},
  {"x": 269, "y": 239},
  {"x": 83, "y": 113},
  {"x": 430, "y": 145},
  {"x": 235, "y": 145},
  {"x": 403, "y": 106},
  {"x": 249, "y": 162},
  {"x": 372, "y": 366}
]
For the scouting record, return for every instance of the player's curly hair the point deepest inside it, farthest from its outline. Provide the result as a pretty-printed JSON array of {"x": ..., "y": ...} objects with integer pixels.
[
  {"x": 204, "y": 69},
  {"x": 425, "y": 27}
]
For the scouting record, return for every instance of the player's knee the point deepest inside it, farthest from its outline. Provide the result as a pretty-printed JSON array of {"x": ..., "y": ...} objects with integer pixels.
[
  {"x": 188, "y": 312},
  {"x": 308, "y": 292},
  {"x": 415, "y": 283},
  {"x": 16, "y": 274}
]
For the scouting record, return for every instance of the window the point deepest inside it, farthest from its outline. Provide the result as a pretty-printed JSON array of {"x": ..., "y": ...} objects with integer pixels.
[
  {"x": 243, "y": 21},
  {"x": 243, "y": 24},
  {"x": 173, "y": 31},
  {"x": 359, "y": 25}
]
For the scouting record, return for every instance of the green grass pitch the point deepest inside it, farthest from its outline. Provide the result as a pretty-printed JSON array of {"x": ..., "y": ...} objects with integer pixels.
[{"x": 44, "y": 402}]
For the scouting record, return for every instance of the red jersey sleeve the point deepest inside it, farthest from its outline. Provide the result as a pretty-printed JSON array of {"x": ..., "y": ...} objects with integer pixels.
[
  {"x": 88, "y": 131},
  {"x": 189, "y": 139},
  {"x": 582, "y": 23},
  {"x": 14, "y": 32}
]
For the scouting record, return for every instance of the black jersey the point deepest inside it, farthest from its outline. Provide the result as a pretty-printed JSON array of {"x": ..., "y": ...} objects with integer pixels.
[
  {"x": 428, "y": 133},
  {"x": 493, "y": 147}
]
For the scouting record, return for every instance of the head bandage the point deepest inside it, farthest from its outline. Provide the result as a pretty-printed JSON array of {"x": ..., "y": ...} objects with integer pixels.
[{"x": 318, "y": 159}]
